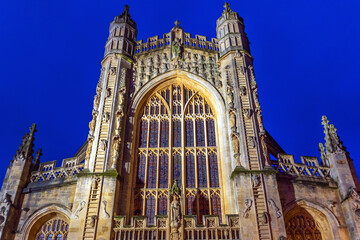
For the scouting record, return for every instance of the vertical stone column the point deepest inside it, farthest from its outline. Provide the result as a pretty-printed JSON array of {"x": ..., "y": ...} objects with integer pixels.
[{"x": 96, "y": 190}]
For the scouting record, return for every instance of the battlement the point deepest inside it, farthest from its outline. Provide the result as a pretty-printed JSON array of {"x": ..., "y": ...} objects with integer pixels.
[
  {"x": 153, "y": 43},
  {"x": 309, "y": 166},
  {"x": 49, "y": 171}
]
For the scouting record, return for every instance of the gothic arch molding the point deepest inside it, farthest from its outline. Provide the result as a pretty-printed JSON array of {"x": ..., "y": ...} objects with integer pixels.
[
  {"x": 325, "y": 218},
  {"x": 216, "y": 101},
  {"x": 39, "y": 217}
]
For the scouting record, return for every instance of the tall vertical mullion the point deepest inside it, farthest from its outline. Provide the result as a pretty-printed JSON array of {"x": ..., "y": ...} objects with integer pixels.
[
  {"x": 170, "y": 158},
  {"x": 146, "y": 161},
  {"x": 183, "y": 168},
  {"x": 207, "y": 157},
  {"x": 158, "y": 163}
]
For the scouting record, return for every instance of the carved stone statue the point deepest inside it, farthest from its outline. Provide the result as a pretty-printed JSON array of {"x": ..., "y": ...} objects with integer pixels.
[
  {"x": 103, "y": 144},
  {"x": 247, "y": 113},
  {"x": 175, "y": 49},
  {"x": 247, "y": 207},
  {"x": 93, "y": 219},
  {"x": 232, "y": 117},
  {"x": 230, "y": 96},
  {"x": 256, "y": 180},
  {"x": 252, "y": 141},
  {"x": 175, "y": 211},
  {"x": 236, "y": 144}
]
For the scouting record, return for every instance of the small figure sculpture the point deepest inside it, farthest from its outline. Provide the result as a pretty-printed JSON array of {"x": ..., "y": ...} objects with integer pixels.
[
  {"x": 79, "y": 208},
  {"x": 175, "y": 211}
]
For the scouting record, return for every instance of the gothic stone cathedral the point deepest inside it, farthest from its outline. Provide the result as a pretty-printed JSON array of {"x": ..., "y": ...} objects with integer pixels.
[{"x": 177, "y": 150}]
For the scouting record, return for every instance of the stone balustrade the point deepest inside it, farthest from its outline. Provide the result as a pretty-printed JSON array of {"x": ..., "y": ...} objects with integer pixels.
[
  {"x": 309, "y": 166},
  {"x": 211, "y": 229},
  {"x": 48, "y": 170}
]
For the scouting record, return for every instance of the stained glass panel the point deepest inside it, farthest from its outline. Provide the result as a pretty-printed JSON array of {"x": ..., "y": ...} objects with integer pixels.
[
  {"x": 164, "y": 138},
  {"x": 153, "y": 133},
  {"x": 214, "y": 172},
  {"x": 150, "y": 209},
  {"x": 189, "y": 133},
  {"x": 164, "y": 172},
  {"x": 200, "y": 135},
  {"x": 216, "y": 206},
  {"x": 140, "y": 180},
  {"x": 177, "y": 169},
  {"x": 211, "y": 132},
  {"x": 177, "y": 133},
  {"x": 162, "y": 205},
  {"x": 204, "y": 207},
  {"x": 143, "y": 134},
  {"x": 191, "y": 205},
  {"x": 190, "y": 171},
  {"x": 202, "y": 170},
  {"x": 151, "y": 179}
]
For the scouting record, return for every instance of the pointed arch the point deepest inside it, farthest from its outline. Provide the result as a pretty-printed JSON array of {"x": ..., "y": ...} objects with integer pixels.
[
  {"x": 36, "y": 220},
  {"x": 323, "y": 217},
  {"x": 217, "y": 104}
]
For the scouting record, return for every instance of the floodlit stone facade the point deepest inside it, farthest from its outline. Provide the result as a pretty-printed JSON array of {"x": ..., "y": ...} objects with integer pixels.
[{"x": 177, "y": 150}]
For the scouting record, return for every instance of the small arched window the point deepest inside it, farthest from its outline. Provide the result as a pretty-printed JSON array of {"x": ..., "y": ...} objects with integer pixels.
[{"x": 53, "y": 229}]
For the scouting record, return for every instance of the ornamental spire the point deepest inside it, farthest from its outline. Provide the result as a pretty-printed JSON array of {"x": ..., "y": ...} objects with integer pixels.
[
  {"x": 126, "y": 13},
  {"x": 25, "y": 150},
  {"x": 227, "y": 8},
  {"x": 332, "y": 140}
]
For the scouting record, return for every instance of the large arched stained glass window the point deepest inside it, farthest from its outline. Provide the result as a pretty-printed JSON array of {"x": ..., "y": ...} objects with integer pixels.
[{"x": 177, "y": 140}]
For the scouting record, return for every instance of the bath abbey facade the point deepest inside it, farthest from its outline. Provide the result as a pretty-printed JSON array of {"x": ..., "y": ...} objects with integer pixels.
[{"x": 177, "y": 150}]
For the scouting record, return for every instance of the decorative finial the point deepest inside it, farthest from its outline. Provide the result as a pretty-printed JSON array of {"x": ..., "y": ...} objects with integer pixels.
[
  {"x": 126, "y": 13},
  {"x": 177, "y": 23},
  {"x": 227, "y": 8},
  {"x": 332, "y": 140}
]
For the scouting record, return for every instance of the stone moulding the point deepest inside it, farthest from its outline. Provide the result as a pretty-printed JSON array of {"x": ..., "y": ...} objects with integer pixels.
[{"x": 239, "y": 170}]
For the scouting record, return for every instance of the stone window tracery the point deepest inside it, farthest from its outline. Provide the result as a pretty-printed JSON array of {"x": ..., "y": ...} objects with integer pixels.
[
  {"x": 54, "y": 229},
  {"x": 302, "y": 226},
  {"x": 177, "y": 141}
]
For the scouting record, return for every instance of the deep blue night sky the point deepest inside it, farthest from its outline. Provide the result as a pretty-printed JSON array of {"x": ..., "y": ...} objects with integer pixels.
[{"x": 307, "y": 57}]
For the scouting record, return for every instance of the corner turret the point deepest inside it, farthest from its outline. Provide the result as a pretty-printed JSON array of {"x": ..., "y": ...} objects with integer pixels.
[
  {"x": 230, "y": 30},
  {"x": 122, "y": 35}
]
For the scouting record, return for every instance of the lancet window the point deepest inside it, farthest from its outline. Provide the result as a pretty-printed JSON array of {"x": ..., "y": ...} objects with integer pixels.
[
  {"x": 54, "y": 229},
  {"x": 177, "y": 141}
]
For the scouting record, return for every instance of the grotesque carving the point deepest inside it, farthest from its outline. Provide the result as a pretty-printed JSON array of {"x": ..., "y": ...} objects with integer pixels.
[
  {"x": 275, "y": 208},
  {"x": 106, "y": 117},
  {"x": 247, "y": 207},
  {"x": 242, "y": 90},
  {"x": 106, "y": 214},
  {"x": 265, "y": 218},
  {"x": 79, "y": 208},
  {"x": 112, "y": 70}
]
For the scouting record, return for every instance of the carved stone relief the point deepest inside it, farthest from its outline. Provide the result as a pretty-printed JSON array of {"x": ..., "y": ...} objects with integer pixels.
[
  {"x": 106, "y": 214},
  {"x": 247, "y": 207},
  {"x": 277, "y": 210},
  {"x": 79, "y": 209}
]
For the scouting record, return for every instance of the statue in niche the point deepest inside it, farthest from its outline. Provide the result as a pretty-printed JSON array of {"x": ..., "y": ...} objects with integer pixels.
[
  {"x": 247, "y": 207},
  {"x": 232, "y": 117},
  {"x": 115, "y": 148},
  {"x": 230, "y": 96},
  {"x": 175, "y": 211},
  {"x": 107, "y": 93},
  {"x": 176, "y": 49},
  {"x": 89, "y": 148},
  {"x": 235, "y": 143},
  {"x": 79, "y": 208}
]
